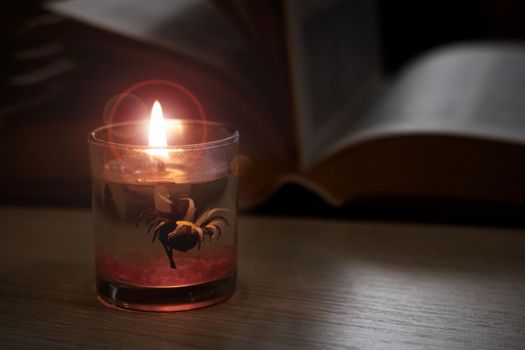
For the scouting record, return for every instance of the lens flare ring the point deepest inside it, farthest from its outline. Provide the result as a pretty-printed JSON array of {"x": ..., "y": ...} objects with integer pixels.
[{"x": 143, "y": 84}]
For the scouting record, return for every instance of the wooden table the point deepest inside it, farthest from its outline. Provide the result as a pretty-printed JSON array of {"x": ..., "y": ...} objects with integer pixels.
[{"x": 302, "y": 284}]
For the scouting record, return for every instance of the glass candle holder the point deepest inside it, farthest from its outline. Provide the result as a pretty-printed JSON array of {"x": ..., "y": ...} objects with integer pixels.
[{"x": 164, "y": 218}]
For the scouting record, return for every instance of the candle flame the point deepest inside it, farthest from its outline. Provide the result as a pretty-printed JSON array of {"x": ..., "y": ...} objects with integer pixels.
[
  {"x": 157, "y": 127},
  {"x": 157, "y": 132}
]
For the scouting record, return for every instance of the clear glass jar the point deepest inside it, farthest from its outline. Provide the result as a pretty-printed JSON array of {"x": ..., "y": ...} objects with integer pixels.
[{"x": 164, "y": 218}]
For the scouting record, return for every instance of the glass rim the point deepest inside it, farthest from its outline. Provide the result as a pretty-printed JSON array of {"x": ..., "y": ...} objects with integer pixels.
[{"x": 98, "y": 141}]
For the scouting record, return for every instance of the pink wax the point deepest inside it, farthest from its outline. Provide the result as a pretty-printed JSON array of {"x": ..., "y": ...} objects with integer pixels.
[{"x": 154, "y": 270}]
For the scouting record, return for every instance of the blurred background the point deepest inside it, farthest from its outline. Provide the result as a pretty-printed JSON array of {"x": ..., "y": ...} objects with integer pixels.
[{"x": 64, "y": 65}]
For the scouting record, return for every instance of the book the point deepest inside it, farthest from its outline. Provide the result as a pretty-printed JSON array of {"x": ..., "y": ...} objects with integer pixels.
[{"x": 302, "y": 80}]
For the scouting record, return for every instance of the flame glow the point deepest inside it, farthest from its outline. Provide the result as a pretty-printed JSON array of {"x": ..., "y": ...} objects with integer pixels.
[
  {"x": 157, "y": 132},
  {"x": 157, "y": 127}
]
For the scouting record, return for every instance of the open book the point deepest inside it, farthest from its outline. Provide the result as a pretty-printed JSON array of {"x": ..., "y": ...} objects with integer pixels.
[{"x": 302, "y": 81}]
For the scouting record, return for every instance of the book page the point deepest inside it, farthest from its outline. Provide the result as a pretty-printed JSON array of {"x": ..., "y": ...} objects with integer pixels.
[
  {"x": 335, "y": 66},
  {"x": 475, "y": 90},
  {"x": 195, "y": 28}
]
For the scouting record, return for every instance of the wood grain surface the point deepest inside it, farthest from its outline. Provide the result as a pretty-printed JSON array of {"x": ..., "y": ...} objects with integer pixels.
[{"x": 302, "y": 284}]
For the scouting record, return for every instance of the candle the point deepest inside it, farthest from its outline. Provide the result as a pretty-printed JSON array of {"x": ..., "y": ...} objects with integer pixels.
[{"x": 164, "y": 208}]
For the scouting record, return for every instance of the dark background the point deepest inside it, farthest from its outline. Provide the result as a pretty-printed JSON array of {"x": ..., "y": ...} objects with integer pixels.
[
  {"x": 412, "y": 27},
  {"x": 407, "y": 29}
]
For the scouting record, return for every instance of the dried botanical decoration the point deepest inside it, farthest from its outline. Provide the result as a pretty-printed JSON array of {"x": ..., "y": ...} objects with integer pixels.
[{"x": 186, "y": 232}]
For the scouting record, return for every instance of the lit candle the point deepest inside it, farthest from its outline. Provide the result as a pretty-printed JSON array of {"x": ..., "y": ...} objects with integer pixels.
[{"x": 178, "y": 189}]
